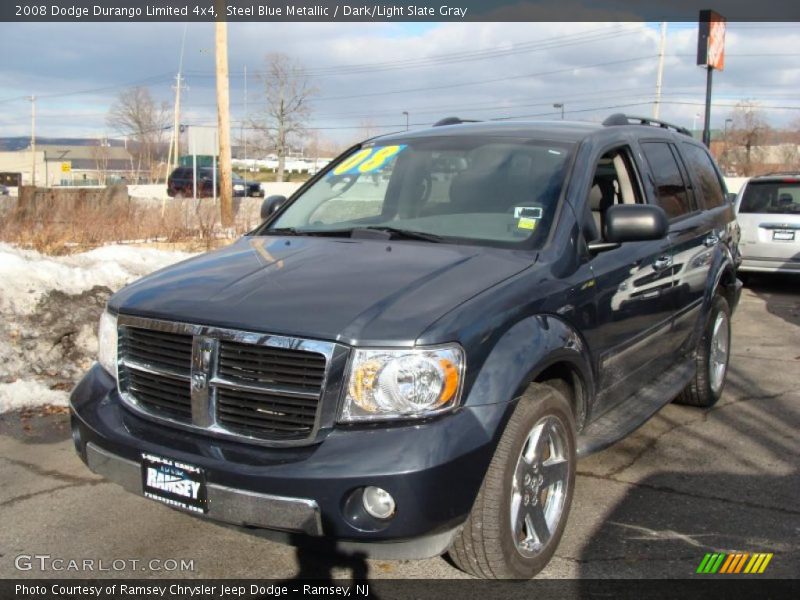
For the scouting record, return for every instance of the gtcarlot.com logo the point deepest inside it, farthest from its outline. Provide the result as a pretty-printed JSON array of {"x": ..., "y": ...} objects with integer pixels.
[
  {"x": 735, "y": 563},
  {"x": 46, "y": 562}
]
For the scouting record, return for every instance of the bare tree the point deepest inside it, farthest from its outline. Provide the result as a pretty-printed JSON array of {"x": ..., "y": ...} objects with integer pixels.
[
  {"x": 288, "y": 93},
  {"x": 101, "y": 152},
  {"x": 136, "y": 114},
  {"x": 749, "y": 130}
]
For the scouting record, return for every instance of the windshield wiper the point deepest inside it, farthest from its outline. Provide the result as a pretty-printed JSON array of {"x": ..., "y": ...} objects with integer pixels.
[
  {"x": 295, "y": 231},
  {"x": 408, "y": 234},
  {"x": 394, "y": 232}
]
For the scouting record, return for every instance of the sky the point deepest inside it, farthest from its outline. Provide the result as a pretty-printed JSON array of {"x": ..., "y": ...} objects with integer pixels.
[{"x": 368, "y": 74}]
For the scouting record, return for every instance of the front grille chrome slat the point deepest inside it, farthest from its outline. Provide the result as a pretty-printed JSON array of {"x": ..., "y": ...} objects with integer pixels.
[{"x": 242, "y": 385}]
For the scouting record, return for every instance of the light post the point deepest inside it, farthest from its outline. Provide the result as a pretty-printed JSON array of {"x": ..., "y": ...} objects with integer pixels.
[
  {"x": 405, "y": 112},
  {"x": 561, "y": 106}
]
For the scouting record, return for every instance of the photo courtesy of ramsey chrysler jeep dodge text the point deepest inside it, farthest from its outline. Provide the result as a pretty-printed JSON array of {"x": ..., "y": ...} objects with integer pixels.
[{"x": 411, "y": 353}]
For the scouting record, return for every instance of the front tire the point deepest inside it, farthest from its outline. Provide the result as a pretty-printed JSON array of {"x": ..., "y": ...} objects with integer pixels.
[
  {"x": 519, "y": 515},
  {"x": 712, "y": 356}
]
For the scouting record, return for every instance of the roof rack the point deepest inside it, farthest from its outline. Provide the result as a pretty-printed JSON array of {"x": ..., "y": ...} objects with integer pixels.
[
  {"x": 453, "y": 121},
  {"x": 623, "y": 119}
]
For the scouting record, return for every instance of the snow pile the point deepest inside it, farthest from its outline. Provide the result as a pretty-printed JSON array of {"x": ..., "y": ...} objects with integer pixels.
[
  {"x": 27, "y": 275},
  {"x": 27, "y": 394},
  {"x": 49, "y": 308}
]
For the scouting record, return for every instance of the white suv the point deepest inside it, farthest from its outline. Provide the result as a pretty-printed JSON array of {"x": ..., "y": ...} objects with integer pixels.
[{"x": 768, "y": 211}]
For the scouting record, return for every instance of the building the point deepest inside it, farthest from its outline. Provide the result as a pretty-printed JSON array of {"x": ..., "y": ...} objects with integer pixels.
[{"x": 56, "y": 165}]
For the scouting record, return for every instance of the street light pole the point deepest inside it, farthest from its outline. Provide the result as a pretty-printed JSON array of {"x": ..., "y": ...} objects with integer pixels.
[
  {"x": 561, "y": 106},
  {"x": 405, "y": 112}
]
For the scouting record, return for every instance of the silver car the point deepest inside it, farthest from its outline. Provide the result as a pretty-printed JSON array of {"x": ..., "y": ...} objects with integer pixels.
[{"x": 768, "y": 211}]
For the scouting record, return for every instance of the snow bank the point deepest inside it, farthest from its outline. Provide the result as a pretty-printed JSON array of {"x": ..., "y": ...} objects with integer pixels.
[
  {"x": 27, "y": 394},
  {"x": 27, "y": 275},
  {"x": 49, "y": 308}
]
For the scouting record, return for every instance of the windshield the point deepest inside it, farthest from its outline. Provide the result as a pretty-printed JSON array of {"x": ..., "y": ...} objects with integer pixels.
[
  {"x": 496, "y": 191},
  {"x": 772, "y": 197}
]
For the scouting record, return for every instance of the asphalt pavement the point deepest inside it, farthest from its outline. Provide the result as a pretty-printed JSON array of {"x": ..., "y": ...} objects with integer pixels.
[{"x": 689, "y": 482}]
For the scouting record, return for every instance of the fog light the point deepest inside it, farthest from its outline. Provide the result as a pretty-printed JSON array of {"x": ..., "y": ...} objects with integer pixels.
[{"x": 378, "y": 502}]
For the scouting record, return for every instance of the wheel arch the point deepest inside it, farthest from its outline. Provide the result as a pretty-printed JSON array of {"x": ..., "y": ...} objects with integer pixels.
[{"x": 538, "y": 349}]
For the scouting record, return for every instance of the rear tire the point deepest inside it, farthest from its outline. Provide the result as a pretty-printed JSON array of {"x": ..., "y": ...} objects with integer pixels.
[
  {"x": 712, "y": 357},
  {"x": 519, "y": 515}
]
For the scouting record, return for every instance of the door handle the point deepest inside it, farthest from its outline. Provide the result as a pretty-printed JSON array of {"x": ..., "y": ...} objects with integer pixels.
[
  {"x": 662, "y": 262},
  {"x": 711, "y": 240}
]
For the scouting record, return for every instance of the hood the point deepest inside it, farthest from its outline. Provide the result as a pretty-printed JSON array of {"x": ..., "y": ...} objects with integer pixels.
[{"x": 355, "y": 291}]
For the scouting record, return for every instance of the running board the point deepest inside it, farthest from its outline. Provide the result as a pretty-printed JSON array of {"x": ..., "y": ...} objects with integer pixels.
[{"x": 633, "y": 412}]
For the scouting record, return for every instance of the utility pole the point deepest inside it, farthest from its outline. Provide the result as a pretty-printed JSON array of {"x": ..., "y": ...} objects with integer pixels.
[
  {"x": 224, "y": 118},
  {"x": 33, "y": 140},
  {"x": 176, "y": 127},
  {"x": 660, "y": 76},
  {"x": 244, "y": 128}
]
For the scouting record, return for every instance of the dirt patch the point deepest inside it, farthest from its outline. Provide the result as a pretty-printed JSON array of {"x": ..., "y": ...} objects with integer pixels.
[{"x": 56, "y": 343}]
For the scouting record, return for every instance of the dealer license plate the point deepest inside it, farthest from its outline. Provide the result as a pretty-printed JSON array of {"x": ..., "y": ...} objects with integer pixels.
[
  {"x": 784, "y": 236},
  {"x": 175, "y": 483}
]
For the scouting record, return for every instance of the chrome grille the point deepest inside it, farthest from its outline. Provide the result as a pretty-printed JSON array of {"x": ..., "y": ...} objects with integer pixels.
[
  {"x": 227, "y": 382},
  {"x": 160, "y": 394},
  {"x": 258, "y": 365}
]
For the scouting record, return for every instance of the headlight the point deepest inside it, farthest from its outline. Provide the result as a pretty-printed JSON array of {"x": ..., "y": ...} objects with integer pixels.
[
  {"x": 107, "y": 343},
  {"x": 400, "y": 384}
]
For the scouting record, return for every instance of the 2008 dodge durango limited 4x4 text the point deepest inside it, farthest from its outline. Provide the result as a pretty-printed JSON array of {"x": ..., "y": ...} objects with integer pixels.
[{"x": 410, "y": 354}]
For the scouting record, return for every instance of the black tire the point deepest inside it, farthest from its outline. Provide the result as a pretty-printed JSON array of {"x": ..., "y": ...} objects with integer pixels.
[
  {"x": 485, "y": 547},
  {"x": 704, "y": 390}
]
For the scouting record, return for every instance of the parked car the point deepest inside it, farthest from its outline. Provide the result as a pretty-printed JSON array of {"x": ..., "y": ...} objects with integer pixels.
[
  {"x": 181, "y": 184},
  {"x": 4, "y": 191},
  {"x": 407, "y": 365},
  {"x": 768, "y": 211}
]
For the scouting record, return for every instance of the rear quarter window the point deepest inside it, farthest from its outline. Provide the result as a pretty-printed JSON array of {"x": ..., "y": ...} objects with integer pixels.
[
  {"x": 706, "y": 175},
  {"x": 671, "y": 193}
]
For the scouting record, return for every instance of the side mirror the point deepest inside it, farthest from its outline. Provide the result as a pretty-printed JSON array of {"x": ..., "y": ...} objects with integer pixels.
[
  {"x": 270, "y": 205},
  {"x": 632, "y": 223}
]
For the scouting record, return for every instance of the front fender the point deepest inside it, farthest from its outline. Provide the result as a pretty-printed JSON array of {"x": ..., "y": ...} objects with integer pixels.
[{"x": 522, "y": 353}]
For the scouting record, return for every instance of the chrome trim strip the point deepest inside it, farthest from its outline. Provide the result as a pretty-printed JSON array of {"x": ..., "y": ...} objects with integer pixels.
[
  {"x": 210, "y": 425},
  {"x": 137, "y": 366},
  {"x": 268, "y": 389},
  {"x": 230, "y": 505}
]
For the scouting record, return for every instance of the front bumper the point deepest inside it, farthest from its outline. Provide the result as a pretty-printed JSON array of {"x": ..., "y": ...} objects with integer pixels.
[{"x": 433, "y": 470}]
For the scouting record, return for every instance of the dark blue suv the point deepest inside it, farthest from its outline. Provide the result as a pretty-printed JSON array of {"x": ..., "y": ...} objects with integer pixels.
[{"x": 410, "y": 354}]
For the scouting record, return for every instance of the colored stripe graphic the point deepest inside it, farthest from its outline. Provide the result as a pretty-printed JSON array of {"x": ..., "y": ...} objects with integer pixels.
[
  {"x": 741, "y": 562},
  {"x": 737, "y": 562}
]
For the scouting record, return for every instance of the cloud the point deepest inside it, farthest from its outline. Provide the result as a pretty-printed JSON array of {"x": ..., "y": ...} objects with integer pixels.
[{"x": 481, "y": 70}]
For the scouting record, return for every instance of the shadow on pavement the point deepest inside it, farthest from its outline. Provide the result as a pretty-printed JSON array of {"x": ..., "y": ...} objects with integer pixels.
[
  {"x": 730, "y": 482},
  {"x": 656, "y": 531},
  {"x": 779, "y": 292}
]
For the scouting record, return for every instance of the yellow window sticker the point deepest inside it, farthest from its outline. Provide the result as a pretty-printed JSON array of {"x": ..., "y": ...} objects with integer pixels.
[
  {"x": 353, "y": 161},
  {"x": 527, "y": 223},
  {"x": 368, "y": 160}
]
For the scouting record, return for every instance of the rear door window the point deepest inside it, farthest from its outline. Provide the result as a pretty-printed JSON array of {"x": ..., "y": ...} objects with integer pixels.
[
  {"x": 671, "y": 193},
  {"x": 772, "y": 197},
  {"x": 706, "y": 174}
]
